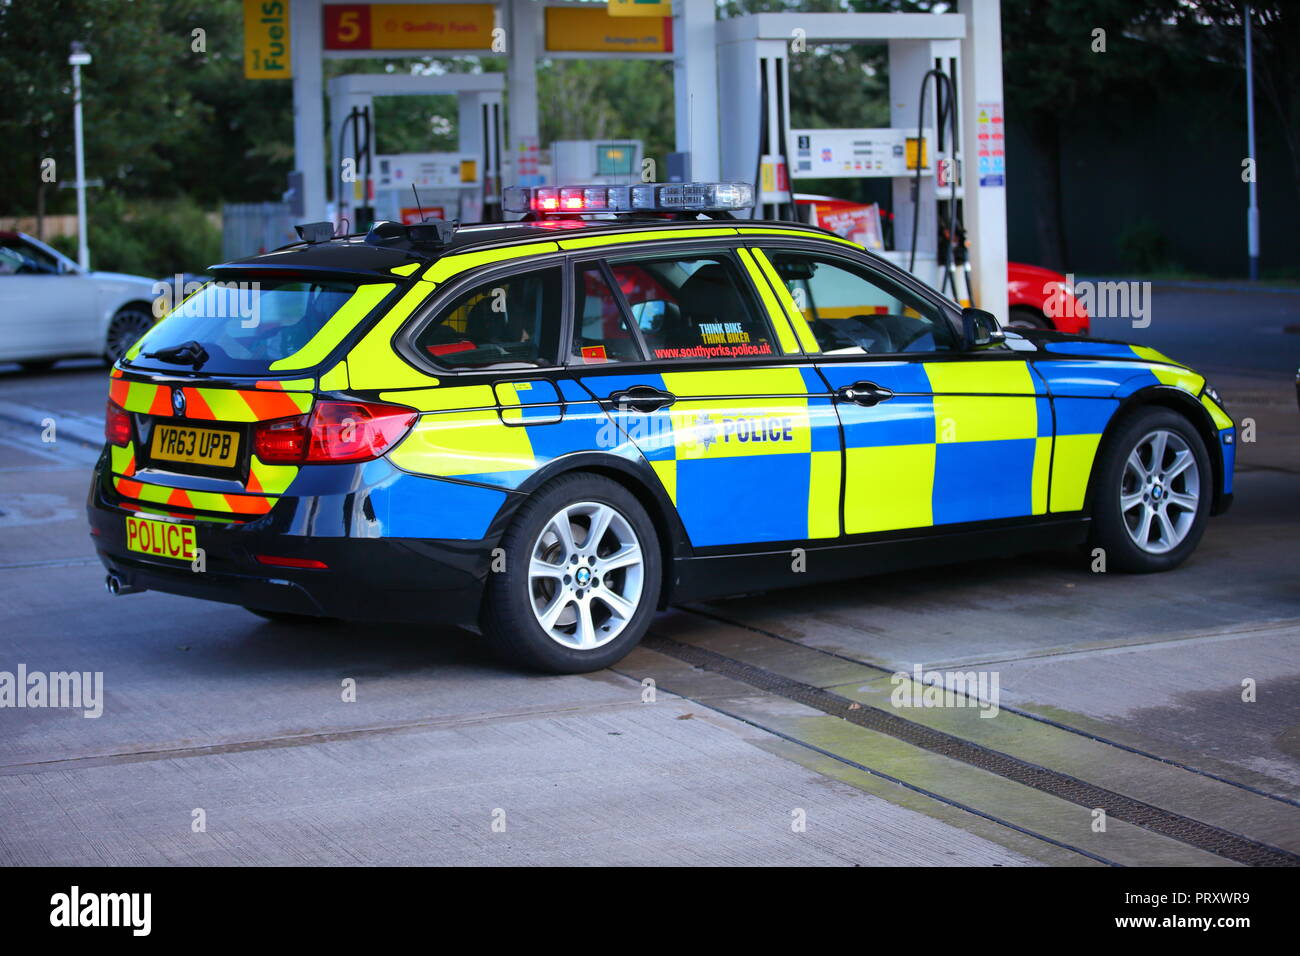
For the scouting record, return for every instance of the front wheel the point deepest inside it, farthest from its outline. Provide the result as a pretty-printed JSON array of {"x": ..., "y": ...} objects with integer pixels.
[
  {"x": 1153, "y": 493},
  {"x": 580, "y": 579}
]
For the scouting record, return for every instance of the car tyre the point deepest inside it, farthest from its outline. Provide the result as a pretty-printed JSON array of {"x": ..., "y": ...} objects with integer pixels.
[
  {"x": 125, "y": 330},
  {"x": 561, "y": 602},
  {"x": 1153, "y": 492}
]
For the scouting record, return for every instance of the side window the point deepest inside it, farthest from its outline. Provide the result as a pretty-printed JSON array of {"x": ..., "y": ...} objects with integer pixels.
[
  {"x": 20, "y": 258},
  {"x": 692, "y": 308},
  {"x": 11, "y": 263},
  {"x": 600, "y": 333},
  {"x": 513, "y": 320},
  {"x": 851, "y": 313}
]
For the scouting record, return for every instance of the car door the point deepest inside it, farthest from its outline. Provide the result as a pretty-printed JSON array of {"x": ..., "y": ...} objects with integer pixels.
[
  {"x": 933, "y": 435},
  {"x": 729, "y": 412},
  {"x": 44, "y": 310}
]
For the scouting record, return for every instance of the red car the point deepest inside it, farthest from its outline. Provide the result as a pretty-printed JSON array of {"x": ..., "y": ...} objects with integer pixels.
[{"x": 1037, "y": 298}]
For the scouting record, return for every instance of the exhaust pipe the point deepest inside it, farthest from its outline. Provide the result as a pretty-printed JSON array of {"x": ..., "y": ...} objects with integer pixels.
[{"x": 117, "y": 587}]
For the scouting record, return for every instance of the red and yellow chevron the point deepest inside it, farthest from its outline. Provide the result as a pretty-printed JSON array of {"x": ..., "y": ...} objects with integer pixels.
[{"x": 271, "y": 399}]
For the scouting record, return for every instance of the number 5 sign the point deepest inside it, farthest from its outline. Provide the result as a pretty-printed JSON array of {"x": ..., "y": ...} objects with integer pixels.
[
  {"x": 347, "y": 27},
  {"x": 408, "y": 26}
]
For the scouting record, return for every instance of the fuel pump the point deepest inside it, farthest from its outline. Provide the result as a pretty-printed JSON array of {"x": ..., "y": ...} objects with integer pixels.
[
  {"x": 922, "y": 227},
  {"x": 951, "y": 252},
  {"x": 362, "y": 186},
  {"x": 463, "y": 184}
]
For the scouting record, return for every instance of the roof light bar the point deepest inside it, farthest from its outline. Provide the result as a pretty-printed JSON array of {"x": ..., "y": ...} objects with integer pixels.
[{"x": 643, "y": 197}]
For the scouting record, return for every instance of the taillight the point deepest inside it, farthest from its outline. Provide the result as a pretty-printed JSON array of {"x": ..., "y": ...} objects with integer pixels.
[
  {"x": 117, "y": 424},
  {"x": 333, "y": 432},
  {"x": 283, "y": 441}
]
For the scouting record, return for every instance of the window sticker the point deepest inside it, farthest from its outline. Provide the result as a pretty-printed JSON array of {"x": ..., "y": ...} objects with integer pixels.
[{"x": 715, "y": 351}]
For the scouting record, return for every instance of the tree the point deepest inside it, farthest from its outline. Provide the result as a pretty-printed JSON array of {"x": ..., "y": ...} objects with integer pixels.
[
  {"x": 1218, "y": 28},
  {"x": 130, "y": 99},
  {"x": 1056, "y": 65},
  {"x": 167, "y": 111}
]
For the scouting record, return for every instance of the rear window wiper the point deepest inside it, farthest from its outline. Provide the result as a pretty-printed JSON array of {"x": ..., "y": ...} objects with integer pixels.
[{"x": 187, "y": 353}]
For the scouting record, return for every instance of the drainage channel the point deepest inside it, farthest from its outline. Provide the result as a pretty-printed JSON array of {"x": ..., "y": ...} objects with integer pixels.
[
  {"x": 1028, "y": 715},
  {"x": 1194, "y": 833}
]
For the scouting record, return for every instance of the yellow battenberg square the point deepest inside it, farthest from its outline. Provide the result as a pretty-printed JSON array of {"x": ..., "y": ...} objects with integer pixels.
[
  {"x": 824, "y": 494},
  {"x": 894, "y": 489},
  {"x": 1071, "y": 469},
  {"x": 963, "y": 414}
]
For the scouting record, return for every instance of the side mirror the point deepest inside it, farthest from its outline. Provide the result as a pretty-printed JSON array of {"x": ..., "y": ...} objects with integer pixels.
[{"x": 980, "y": 329}]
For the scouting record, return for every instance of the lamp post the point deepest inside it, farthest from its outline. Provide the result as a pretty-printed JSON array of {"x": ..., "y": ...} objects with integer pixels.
[
  {"x": 1252, "y": 209},
  {"x": 77, "y": 60}
]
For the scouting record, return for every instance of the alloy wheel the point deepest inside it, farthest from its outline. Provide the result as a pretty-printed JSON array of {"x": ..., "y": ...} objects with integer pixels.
[
  {"x": 1160, "y": 491},
  {"x": 586, "y": 574},
  {"x": 125, "y": 330}
]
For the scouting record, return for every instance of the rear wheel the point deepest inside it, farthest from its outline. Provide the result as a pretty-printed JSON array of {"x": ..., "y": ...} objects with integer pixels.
[
  {"x": 125, "y": 330},
  {"x": 1153, "y": 493},
  {"x": 581, "y": 578}
]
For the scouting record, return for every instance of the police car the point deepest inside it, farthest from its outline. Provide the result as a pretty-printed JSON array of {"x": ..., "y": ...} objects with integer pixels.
[{"x": 546, "y": 429}]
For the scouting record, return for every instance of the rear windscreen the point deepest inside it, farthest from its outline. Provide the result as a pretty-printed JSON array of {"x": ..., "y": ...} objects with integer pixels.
[{"x": 254, "y": 327}]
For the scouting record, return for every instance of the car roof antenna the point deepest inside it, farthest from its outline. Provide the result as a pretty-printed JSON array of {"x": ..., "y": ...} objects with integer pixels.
[{"x": 417, "y": 201}]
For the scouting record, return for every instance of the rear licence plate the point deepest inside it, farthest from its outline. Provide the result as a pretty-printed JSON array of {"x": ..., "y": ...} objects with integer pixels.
[
  {"x": 165, "y": 539},
  {"x": 195, "y": 446}
]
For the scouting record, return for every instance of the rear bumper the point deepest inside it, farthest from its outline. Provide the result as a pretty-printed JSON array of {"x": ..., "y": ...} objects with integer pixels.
[{"x": 369, "y": 578}]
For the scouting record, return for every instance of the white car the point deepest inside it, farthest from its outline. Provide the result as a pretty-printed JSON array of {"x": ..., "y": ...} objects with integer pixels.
[{"x": 50, "y": 309}]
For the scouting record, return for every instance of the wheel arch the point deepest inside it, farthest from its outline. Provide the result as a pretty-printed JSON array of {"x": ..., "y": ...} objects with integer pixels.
[
  {"x": 641, "y": 482},
  {"x": 144, "y": 305},
  {"x": 1175, "y": 399}
]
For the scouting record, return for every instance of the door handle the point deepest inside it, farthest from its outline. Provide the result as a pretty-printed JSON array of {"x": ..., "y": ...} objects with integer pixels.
[
  {"x": 864, "y": 393},
  {"x": 643, "y": 398}
]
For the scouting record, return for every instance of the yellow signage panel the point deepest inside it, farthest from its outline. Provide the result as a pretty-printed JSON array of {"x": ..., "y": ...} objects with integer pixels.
[
  {"x": 266, "y": 40},
  {"x": 578, "y": 30},
  {"x": 408, "y": 26},
  {"x": 640, "y": 8}
]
